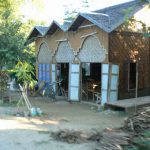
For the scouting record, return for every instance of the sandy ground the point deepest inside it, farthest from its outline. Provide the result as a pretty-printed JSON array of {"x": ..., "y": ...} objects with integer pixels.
[{"x": 33, "y": 133}]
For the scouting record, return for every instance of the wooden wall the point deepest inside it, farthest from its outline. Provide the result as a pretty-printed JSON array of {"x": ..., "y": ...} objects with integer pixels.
[{"x": 124, "y": 47}]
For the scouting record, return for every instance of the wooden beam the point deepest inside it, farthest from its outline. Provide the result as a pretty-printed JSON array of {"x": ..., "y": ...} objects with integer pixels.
[
  {"x": 61, "y": 40},
  {"x": 88, "y": 34},
  {"x": 86, "y": 26}
]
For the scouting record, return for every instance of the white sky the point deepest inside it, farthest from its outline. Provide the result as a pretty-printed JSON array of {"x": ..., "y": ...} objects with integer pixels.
[{"x": 54, "y": 9}]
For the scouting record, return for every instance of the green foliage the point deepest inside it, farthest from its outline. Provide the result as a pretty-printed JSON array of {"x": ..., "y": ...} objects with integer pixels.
[
  {"x": 131, "y": 148},
  {"x": 140, "y": 142},
  {"x": 20, "y": 103},
  {"x": 145, "y": 1},
  {"x": 3, "y": 80},
  {"x": 13, "y": 34},
  {"x": 146, "y": 134},
  {"x": 24, "y": 73},
  {"x": 71, "y": 12}
]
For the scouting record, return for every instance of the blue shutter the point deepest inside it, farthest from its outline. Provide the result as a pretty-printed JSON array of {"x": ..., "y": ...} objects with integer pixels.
[
  {"x": 43, "y": 72},
  {"x": 47, "y": 73},
  {"x": 40, "y": 72}
]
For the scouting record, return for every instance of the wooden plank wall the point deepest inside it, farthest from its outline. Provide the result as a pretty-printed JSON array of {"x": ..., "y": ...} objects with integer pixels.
[{"x": 121, "y": 46}]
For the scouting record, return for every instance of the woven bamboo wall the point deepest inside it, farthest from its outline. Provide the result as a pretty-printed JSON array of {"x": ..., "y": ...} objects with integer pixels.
[
  {"x": 75, "y": 39},
  {"x": 44, "y": 54},
  {"x": 124, "y": 48}
]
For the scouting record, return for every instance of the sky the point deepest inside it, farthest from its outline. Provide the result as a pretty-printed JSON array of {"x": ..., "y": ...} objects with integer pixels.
[{"x": 55, "y": 9}]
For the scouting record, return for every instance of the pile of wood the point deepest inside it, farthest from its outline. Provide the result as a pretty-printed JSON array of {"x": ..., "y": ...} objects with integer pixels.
[
  {"x": 139, "y": 122},
  {"x": 71, "y": 136},
  {"x": 107, "y": 140},
  {"x": 68, "y": 136},
  {"x": 113, "y": 140}
]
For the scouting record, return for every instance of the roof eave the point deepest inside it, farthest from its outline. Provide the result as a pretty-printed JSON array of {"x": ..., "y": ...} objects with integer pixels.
[
  {"x": 71, "y": 28},
  {"x": 30, "y": 37}
]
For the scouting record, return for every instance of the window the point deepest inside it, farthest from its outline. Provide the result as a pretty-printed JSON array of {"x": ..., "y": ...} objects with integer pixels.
[{"x": 130, "y": 75}]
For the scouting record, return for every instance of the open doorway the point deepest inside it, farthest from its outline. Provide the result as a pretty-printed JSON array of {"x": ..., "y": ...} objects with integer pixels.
[
  {"x": 91, "y": 81},
  {"x": 63, "y": 76},
  {"x": 132, "y": 76}
]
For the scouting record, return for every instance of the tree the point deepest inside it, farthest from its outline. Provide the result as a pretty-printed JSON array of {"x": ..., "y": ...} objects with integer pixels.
[
  {"x": 71, "y": 12},
  {"x": 13, "y": 33}
]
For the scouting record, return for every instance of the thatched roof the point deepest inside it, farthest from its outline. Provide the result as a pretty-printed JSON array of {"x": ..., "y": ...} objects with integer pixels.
[{"x": 108, "y": 19}]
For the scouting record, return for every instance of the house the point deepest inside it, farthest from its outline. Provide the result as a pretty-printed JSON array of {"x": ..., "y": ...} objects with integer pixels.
[{"x": 96, "y": 53}]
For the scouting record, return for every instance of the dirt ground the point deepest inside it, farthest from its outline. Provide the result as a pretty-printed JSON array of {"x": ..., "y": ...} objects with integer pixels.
[{"x": 33, "y": 133}]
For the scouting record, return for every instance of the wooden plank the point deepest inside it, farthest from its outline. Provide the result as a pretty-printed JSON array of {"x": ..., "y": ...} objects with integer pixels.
[{"x": 128, "y": 103}]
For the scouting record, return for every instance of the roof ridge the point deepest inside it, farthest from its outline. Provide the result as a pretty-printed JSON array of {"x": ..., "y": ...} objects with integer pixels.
[
  {"x": 118, "y": 5},
  {"x": 95, "y": 13},
  {"x": 41, "y": 26}
]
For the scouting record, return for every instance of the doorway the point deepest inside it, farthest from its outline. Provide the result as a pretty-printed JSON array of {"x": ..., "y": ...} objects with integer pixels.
[
  {"x": 90, "y": 81},
  {"x": 63, "y": 76},
  {"x": 132, "y": 76}
]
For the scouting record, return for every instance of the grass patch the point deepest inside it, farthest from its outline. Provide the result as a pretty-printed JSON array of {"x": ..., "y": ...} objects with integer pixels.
[
  {"x": 44, "y": 132},
  {"x": 18, "y": 143},
  {"x": 9, "y": 104},
  {"x": 41, "y": 142}
]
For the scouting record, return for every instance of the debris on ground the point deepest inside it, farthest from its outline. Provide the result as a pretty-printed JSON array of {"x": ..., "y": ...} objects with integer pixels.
[
  {"x": 69, "y": 136},
  {"x": 107, "y": 139},
  {"x": 111, "y": 139},
  {"x": 139, "y": 122}
]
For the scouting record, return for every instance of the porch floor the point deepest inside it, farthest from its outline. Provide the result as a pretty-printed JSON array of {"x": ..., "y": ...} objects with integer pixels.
[{"x": 129, "y": 105}]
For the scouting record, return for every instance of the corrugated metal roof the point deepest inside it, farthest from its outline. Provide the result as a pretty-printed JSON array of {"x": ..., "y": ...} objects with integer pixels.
[
  {"x": 42, "y": 29},
  {"x": 36, "y": 31},
  {"x": 110, "y": 18},
  {"x": 55, "y": 25},
  {"x": 66, "y": 25}
]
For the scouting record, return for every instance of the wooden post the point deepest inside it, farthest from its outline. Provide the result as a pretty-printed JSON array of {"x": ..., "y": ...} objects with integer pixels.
[{"x": 136, "y": 91}]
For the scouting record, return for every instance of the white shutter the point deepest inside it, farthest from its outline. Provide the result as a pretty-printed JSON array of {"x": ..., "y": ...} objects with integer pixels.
[
  {"x": 74, "y": 82},
  {"x": 114, "y": 77},
  {"x": 104, "y": 83}
]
